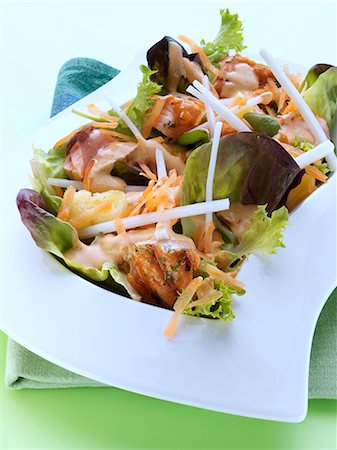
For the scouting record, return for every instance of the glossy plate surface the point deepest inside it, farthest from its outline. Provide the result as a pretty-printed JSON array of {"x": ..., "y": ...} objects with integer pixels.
[{"x": 256, "y": 366}]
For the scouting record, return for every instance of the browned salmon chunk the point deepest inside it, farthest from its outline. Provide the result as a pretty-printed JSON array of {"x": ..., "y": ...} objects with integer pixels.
[{"x": 160, "y": 272}]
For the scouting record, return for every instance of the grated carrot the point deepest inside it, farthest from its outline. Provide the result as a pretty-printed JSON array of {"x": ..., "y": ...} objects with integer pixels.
[
  {"x": 291, "y": 107},
  {"x": 147, "y": 172},
  {"x": 58, "y": 191},
  {"x": 153, "y": 192},
  {"x": 86, "y": 177},
  {"x": 66, "y": 138},
  {"x": 127, "y": 104},
  {"x": 120, "y": 227},
  {"x": 93, "y": 109},
  {"x": 202, "y": 301},
  {"x": 208, "y": 237},
  {"x": 181, "y": 304},
  {"x": 65, "y": 207},
  {"x": 198, "y": 237},
  {"x": 204, "y": 59},
  {"x": 113, "y": 134},
  {"x": 316, "y": 173},
  {"x": 154, "y": 116},
  {"x": 219, "y": 276},
  {"x": 109, "y": 125}
]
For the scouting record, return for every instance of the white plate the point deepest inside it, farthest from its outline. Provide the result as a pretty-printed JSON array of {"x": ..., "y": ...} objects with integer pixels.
[{"x": 256, "y": 366}]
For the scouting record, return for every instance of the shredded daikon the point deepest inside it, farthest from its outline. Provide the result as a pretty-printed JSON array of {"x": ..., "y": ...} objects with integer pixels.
[
  {"x": 320, "y": 151},
  {"x": 181, "y": 304},
  {"x": 61, "y": 182},
  {"x": 209, "y": 110},
  {"x": 302, "y": 106},
  {"x": 178, "y": 212},
  {"x": 123, "y": 116},
  {"x": 161, "y": 166},
  {"x": 202, "y": 94},
  {"x": 264, "y": 99},
  {"x": 211, "y": 167}
]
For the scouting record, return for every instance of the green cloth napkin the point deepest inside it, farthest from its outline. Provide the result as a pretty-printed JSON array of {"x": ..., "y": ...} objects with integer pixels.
[{"x": 25, "y": 370}]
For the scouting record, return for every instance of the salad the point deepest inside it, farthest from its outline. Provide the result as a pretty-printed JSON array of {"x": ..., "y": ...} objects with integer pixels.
[{"x": 162, "y": 200}]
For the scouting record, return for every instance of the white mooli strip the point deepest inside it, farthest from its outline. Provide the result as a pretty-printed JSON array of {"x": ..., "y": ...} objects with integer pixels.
[
  {"x": 302, "y": 106},
  {"x": 203, "y": 95},
  {"x": 61, "y": 182},
  {"x": 151, "y": 218},
  {"x": 160, "y": 162},
  {"x": 320, "y": 151},
  {"x": 209, "y": 110},
  {"x": 124, "y": 117},
  {"x": 211, "y": 167}
]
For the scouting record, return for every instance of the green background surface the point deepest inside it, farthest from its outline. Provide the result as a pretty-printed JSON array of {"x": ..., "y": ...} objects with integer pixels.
[{"x": 108, "y": 418}]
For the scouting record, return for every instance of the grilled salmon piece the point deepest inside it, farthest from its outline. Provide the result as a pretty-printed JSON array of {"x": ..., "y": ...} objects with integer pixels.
[
  {"x": 160, "y": 272},
  {"x": 179, "y": 115},
  {"x": 241, "y": 74},
  {"x": 81, "y": 148}
]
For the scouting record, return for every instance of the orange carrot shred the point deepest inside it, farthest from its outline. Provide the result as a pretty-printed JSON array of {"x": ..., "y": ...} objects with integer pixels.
[
  {"x": 197, "y": 49},
  {"x": 65, "y": 208}
]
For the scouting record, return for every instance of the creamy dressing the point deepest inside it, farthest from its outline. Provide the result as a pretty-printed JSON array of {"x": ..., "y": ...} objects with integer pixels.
[
  {"x": 192, "y": 70},
  {"x": 242, "y": 78},
  {"x": 87, "y": 143},
  {"x": 100, "y": 178},
  {"x": 294, "y": 127},
  {"x": 146, "y": 152},
  {"x": 176, "y": 67},
  {"x": 238, "y": 218},
  {"x": 112, "y": 248}
]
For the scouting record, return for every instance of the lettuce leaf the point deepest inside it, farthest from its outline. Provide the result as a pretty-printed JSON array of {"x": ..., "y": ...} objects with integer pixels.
[
  {"x": 263, "y": 123},
  {"x": 192, "y": 139},
  {"x": 265, "y": 234},
  {"x": 251, "y": 169},
  {"x": 228, "y": 38},
  {"x": 140, "y": 105},
  {"x": 56, "y": 237},
  {"x": 217, "y": 309},
  {"x": 158, "y": 59},
  {"x": 313, "y": 73},
  {"x": 44, "y": 166},
  {"x": 322, "y": 96}
]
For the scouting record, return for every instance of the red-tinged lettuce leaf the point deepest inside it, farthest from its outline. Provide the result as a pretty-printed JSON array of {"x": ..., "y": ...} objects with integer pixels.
[
  {"x": 158, "y": 60},
  {"x": 251, "y": 169},
  {"x": 322, "y": 96},
  {"x": 49, "y": 233},
  {"x": 313, "y": 73},
  {"x": 56, "y": 236}
]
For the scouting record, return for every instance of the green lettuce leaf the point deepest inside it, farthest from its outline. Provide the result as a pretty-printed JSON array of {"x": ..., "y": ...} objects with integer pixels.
[
  {"x": 252, "y": 169},
  {"x": 322, "y": 96},
  {"x": 263, "y": 123},
  {"x": 313, "y": 73},
  {"x": 192, "y": 139},
  {"x": 56, "y": 237},
  {"x": 140, "y": 105},
  {"x": 265, "y": 233},
  {"x": 217, "y": 309},
  {"x": 228, "y": 38},
  {"x": 44, "y": 166}
]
